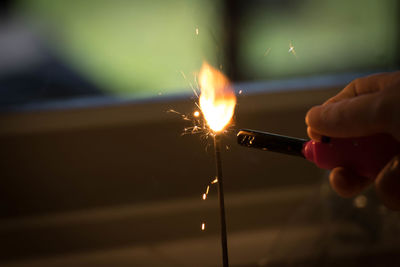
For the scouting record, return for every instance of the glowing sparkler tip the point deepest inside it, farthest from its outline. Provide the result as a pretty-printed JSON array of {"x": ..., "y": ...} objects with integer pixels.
[
  {"x": 217, "y": 99},
  {"x": 204, "y": 196},
  {"x": 203, "y": 226},
  {"x": 196, "y": 113}
]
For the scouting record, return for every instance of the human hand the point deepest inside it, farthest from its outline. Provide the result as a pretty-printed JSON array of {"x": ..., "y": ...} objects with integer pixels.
[{"x": 366, "y": 106}]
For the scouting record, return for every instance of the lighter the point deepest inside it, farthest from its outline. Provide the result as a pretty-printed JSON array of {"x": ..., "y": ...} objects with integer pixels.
[{"x": 365, "y": 156}]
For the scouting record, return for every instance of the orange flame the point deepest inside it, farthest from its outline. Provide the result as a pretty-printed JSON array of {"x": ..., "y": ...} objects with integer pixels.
[{"x": 217, "y": 98}]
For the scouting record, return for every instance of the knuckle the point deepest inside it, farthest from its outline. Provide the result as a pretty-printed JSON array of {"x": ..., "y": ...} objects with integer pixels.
[{"x": 356, "y": 86}]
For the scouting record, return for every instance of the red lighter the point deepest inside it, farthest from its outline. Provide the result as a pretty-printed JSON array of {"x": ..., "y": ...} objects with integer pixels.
[{"x": 365, "y": 156}]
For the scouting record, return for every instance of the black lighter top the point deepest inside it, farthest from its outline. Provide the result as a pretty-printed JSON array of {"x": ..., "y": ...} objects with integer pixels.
[
  {"x": 365, "y": 156},
  {"x": 271, "y": 142}
]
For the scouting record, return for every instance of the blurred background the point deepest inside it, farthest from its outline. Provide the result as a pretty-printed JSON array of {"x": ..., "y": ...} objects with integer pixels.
[{"x": 95, "y": 172}]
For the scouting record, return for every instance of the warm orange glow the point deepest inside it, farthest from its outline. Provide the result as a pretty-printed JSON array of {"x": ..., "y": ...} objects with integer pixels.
[{"x": 217, "y": 98}]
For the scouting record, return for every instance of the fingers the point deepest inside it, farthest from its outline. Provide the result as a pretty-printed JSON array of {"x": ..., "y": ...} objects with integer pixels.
[
  {"x": 346, "y": 183},
  {"x": 363, "y": 107},
  {"x": 388, "y": 184},
  {"x": 358, "y": 116},
  {"x": 367, "y": 85}
]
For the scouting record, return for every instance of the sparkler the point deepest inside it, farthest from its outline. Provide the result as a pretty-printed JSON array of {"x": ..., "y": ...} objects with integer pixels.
[
  {"x": 217, "y": 102},
  {"x": 218, "y": 165}
]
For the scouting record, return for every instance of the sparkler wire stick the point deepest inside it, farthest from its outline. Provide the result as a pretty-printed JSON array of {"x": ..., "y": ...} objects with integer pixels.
[{"x": 218, "y": 164}]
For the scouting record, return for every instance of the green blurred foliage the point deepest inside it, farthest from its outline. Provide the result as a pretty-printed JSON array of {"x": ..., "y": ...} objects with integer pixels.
[
  {"x": 328, "y": 37},
  {"x": 141, "y": 47},
  {"x": 135, "y": 47}
]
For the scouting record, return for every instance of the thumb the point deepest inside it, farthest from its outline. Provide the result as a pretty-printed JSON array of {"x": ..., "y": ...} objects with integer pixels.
[
  {"x": 388, "y": 184},
  {"x": 358, "y": 116}
]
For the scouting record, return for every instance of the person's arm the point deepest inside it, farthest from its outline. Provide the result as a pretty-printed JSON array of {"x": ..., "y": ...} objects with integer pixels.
[{"x": 365, "y": 107}]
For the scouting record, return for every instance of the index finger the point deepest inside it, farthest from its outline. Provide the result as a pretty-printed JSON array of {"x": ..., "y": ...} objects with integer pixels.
[
  {"x": 359, "y": 116},
  {"x": 367, "y": 85}
]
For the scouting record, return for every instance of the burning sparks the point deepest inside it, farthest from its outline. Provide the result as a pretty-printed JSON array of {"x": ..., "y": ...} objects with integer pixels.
[
  {"x": 216, "y": 102},
  {"x": 196, "y": 128},
  {"x": 217, "y": 99},
  {"x": 206, "y": 193},
  {"x": 291, "y": 49},
  {"x": 184, "y": 117},
  {"x": 267, "y": 52}
]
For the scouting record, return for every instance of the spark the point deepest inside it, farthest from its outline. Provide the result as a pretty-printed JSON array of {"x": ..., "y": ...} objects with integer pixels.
[
  {"x": 203, "y": 226},
  {"x": 214, "y": 181},
  {"x": 240, "y": 92},
  {"x": 197, "y": 30},
  {"x": 172, "y": 111},
  {"x": 192, "y": 130},
  {"x": 291, "y": 49},
  {"x": 267, "y": 52},
  {"x": 206, "y": 193},
  {"x": 197, "y": 86},
  {"x": 190, "y": 84},
  {"x": 198, "y": 125},
  {"x": 183, "y": 116}
]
